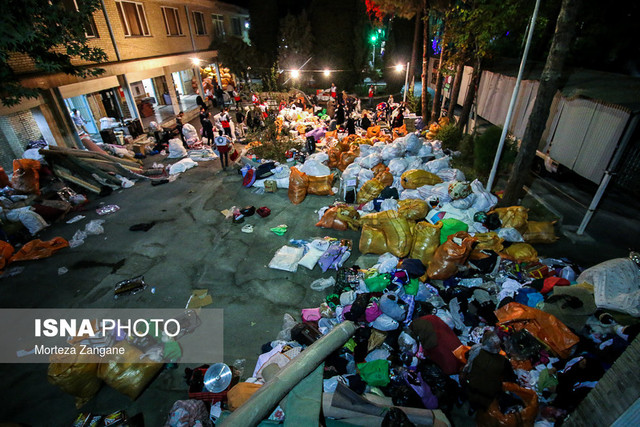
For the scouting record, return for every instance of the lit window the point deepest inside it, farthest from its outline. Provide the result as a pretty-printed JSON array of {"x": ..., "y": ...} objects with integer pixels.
[
  {"x": 218, "y": 26},
  {"x": 198, "y": 21},
  {"x": 172, "y": 21},
  {"x": 133, "y": 18}
]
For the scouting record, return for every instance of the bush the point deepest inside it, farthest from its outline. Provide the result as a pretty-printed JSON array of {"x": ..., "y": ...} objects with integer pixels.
[
  {"x": 271, "y": 143},
  {"x": 484, "y": 151},
  {"x": 466, "y": 148},
  {"x": 450, "y": 135}
]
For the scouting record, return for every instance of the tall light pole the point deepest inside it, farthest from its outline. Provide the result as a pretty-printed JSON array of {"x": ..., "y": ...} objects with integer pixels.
[{"x": 406, "y": 84}]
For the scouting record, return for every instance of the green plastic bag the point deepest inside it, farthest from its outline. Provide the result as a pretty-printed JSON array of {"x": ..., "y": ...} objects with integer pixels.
[
  {"x": 451, "y": 226},
  {"x": 411, "y": 288},
  {"x": 375, "y": 373},
  {"x": 378, "y": 283},
  {"x": 280, "y": 230},
  {"x": 350, "y": 345}
]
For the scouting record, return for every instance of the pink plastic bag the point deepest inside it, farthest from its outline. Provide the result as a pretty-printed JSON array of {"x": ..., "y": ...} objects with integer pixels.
[
  {"x": 311, "y": 314},
  {"x": 372, "y": 312}
]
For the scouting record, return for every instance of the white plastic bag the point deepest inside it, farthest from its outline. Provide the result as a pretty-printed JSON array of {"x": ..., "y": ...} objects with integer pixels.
[
  {"x": 182, "y": 166},
  {"x": 397, "y": 166},
  {"x": 314, "y": 168},
  {"x": 77, "y": 239},
  {"x": 310, "y": 259},
  {"x": 413, "y": 144},
  {"x": 288, "y": 322},
  {"x": 366, "y": 149},
  {"x": 449, "y": 174},
  {"x": 30, "y": 219},
  {"x": 94, "y": 227},
  {"x": 465, "y": 203},
  {"x": 616, "y": 285},
  {"x": 370, "y": 161},
  {"x": 389, "y": 205},
  {"x": 485, "y": 201},
  {"x": 426, "y": 150},
  {"x": 387, "y": 262},
  {"x": 286, "y": 258},
  {"x": 364, "y": 176},
  {"x": 320, "y": 157},
  {"x": 189, "y": 132},
  {"x": 510, "y": 235},
  {"x": 176, "y": 149},
  {"x": 391, "y": 152},
  {"x": 322, "y": 284},
  {"x": 410, "y": 194},
  {"x": 436, "y": 165}
]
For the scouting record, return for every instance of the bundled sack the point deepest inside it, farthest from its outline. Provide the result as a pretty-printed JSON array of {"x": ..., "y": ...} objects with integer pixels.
[
  {"x": 75, "y": 374},
  {"x": 520, "y": 252},
  {"x": 493, "y": 417},
  {"x": 451, "y": 226},
  {"x": 320, "y": 185},
  {"x": 26, "y": 176},
  {"x": 373, "y": 131},
  {"x": 514, "y": 217},
  {"x": 128, "y": 373},
  {"x": 544, "y": 326},
  {"x": 298, "y": 184},
  {"x": 397, "y": 231},
  {"x": 372, "y": 241},
  {"x": 540, "y": 232},
  {"x": 487, "y": 242},
  {"x": 399, "y": 132},
  {"x": 385, "y": 178},
  {"x": 414, "y": 209},
  {"x": 369, "y": 191},
  {"x": 426, "y": 239},
  {"x": 346, "y": 159},
  {"x": 349, "y": 215},
  {"x": 330, "y": 220},
  {"x": 415, "y": 178},
  {"x": 450, "y": 256},
  {"x": 334, "y": 158}
]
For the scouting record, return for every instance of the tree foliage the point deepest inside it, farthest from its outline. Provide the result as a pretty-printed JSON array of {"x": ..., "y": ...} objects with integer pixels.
[
  {"x": 52, "y": 34},
  {"x": 296, "y": 41}
]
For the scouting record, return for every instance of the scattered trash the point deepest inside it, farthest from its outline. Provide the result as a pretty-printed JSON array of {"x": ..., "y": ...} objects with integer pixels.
[
  {"x": 76, "y": 219},
  {"x": 280, "y": 230},
  {"x": 62, "y": 270},
  {"x": 156, "y": 182},
  {"x": 129, "y": 287},
  {"x": 107, "y": 209},
  {"x": 199, "y": 298},
  {"x": 247, "y": 228},
  {"x": 321, "y": 284}
]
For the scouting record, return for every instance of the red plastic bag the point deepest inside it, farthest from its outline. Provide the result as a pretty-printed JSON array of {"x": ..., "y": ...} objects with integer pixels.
[
  {"x": 526, "y": 417},
  {"x": 6, "y": 250},
  {"x": 26, "y": 178}
]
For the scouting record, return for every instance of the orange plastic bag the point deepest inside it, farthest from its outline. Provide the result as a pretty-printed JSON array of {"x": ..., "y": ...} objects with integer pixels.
[
  {"x": 385, "y": 178},
  {"x": 320, "y": 185},
  {"x": 4, "y": 179},
  {"x": 373, "y": 131},
  {"x": 372, "y": 241},
  {"x": 380, "y": 167},
  {"x": 330, "y": 220},
  {"x": 369, "y": 191},
  {"x": 330, "y": 135},
  {"x": 344, "y": 145},
  {"x": 415, "y": 178},
  {"x": 6, "y": 250},
  {"x": 398, "y": 132},
  {"x": 450, "y": 255},
  {"x": 37, "y": 249},
  {"x": 520, "y": 252},
  {"x": 26, "y": 178},
  {"x": 334, "y": 158},
  {"x": 298, "y": 184},
  {"x": 492, "y": 417},
  {"x": 540, "y": 232},
  {"x": 240, "y": 393},
  {"x": 349, "y": 215},
  {"x": 544, "y": 326},
  {"x": 346, "y": 159},
  {"x": 414, "y": 209},
  {"x": 426, "y": 240},
  {"x": 514, "y": 217}
]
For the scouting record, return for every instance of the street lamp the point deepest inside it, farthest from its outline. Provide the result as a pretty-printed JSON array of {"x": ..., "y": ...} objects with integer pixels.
[
  {"x": 327, "y": 73},
  {"x": 295, "y": 74},
  {"x": 399, "y": 68}
]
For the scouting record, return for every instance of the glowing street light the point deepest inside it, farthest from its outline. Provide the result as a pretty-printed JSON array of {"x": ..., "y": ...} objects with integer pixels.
[
  {"x": 295, "y": 74},
  {"x": 327, "y": 73},
  {"x": 399, "y": 67},
  {"x": 196, "y": 61}
]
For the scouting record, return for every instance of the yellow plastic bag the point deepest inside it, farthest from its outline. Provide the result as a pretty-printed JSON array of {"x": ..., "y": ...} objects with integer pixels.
[
  {"x": 75, "y": 374},
  {"x": 397, "y": 231},
  {"x": 426, "y": 239},
  {"x": 450, "y": 255},
  {"x": 126, "y": 372},
  {"x": 349, "y": 215},
  {"x": 385, "y": 178},
  {"x": 415, "y": 178},
  {"x": 521, "y": 252},
  {"x": 372, "y": 241},
  {"x": 540, "y": 232},
  {"x": 514, "y": 217},
  {"x": 489, "y": 241},
  {"x": 320, "y": 185},
  {"x": 414, "y": 209},
  {"x": 298, "y": 184},
  {"x": 369, "y": 191},
  {"x": 346, "y": 159}
]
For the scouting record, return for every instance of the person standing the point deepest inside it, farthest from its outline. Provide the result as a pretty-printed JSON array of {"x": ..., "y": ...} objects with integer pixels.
[
  {"x": 340, "y": 115},
  {"x": 371, "y": 96},
  {"x": 79, "y": 121},
  {"x": 365, "y": 123},
  {"x": 207, "y": 129},
  {"x": 219, "y": 97},
  {"x": 225, "y": 121},
  {"x": 334, "y": 91},
  {"x": 223, "y": 147},
  {"x": 179, "y": 126}
]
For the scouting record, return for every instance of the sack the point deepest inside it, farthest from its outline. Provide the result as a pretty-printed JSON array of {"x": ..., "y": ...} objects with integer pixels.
[
  {"x": 385, "y": 178},
  {"x": 263, "y": 211},
  {"x": 334, "y": 158},
  {"x": 298, "y": 184},
  {"x": 450, "y": 255},
  {"x": 127, "y": 373},
  {"x": 414, "y": 209},
  {"x": 398, "y": 235},
  {"x": 26, "y": 178},
  {"x": 451, "y": 226},
  {"x": 346, "y": 159},
  {"x": 320, "y": 185},
  {"x": 372, "y": 241},
  {"x": 76, "y": 375},
  {"x": 373, "y": 131},
  {"x": 514, "y": 217},
  {"x": 493, "y": 417},
  {"x": 520, "y": 252},
  {"x": 415, "y": 178},
  {"x": 369, "y": 191},
  {"x": 540, "y": 232},
  {"x": 329, "y": 220},
  {"x": 488, "y": 241},
  {"x": 426, "y": 240},
  {"x": 286, "y": 259}
]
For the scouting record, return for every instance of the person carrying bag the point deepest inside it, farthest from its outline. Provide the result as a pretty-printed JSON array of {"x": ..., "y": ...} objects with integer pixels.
[{"x": 223, "y": 146}]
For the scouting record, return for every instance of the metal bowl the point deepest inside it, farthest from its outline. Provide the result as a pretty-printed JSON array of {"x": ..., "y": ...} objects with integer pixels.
[{"x": 217, "y": 378}]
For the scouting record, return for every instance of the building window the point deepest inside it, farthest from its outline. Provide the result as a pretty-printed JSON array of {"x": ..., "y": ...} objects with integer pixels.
[
  {"x": 133, "y": 18},
  {"x": 172, "y": 21},
  {"x": 198, "y": 22},
  {"x": 90, "y": 29},
  {"x": 236, "y": 27},
  {"x": 218, "y": 26}
]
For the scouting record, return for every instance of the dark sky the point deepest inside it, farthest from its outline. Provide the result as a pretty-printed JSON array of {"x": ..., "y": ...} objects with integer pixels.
[{"x": 242, "y": 3}]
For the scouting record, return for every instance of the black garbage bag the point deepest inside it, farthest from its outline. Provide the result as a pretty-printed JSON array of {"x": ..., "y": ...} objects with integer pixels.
[
  {"x": 423, "y": 308},
  {"x": 396, "y": 418},
  {"x": 358, "y": 307},
  {"x": 523, "y": 345}
]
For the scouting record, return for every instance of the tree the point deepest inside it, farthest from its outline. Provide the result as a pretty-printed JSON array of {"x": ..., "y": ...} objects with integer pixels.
[
  {"x": 296, "y": 41},
  {"x": 238, "y": 56},
  {"x": 52, "y": 34},
  {"x": 455, "y": 91},
  {"x": 549, "y": 84}
]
